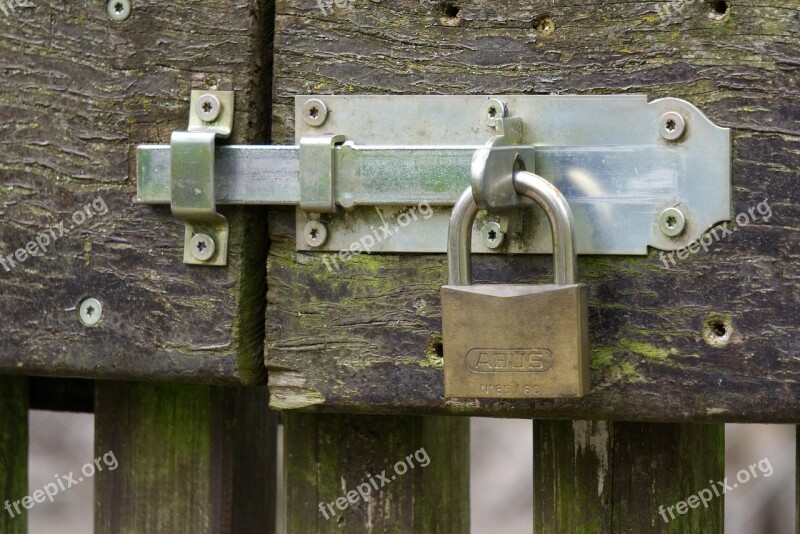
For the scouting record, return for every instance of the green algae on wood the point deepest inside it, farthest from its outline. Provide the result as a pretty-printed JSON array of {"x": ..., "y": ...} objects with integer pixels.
[
  {"x": 327, "y": 456},
  {"x": 192, "y": 458},
  {"x": 13, "y": 452},
  {"x": 367, "y": 312},
  {"x": 602, "y": 477}
]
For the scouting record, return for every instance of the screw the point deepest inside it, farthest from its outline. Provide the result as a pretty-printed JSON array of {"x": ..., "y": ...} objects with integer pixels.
[
  {"x": 492, "y": 235},
  {"x": 545, "y": 25},
  {"x": 672, "y": 126},
  {"x": 119, "y": 9},
  {"x": 90, "y": 311},
  {"x": 207, "y": 108},
  {"x": 202, "y": 247},
  {"x": 493, "y": 111},
  {"x": 315, "y": 234},
  {"x": 672, "y": 222},
  {"x": 315, "y": 112}
]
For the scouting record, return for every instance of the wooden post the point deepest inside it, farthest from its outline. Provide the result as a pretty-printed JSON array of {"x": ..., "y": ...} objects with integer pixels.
[
  {"x": 328, "y": 458},
  {"x": 603, "y": 477},
  {"x": 13, "y": 452},
  {"x": 191, "y": 459}
]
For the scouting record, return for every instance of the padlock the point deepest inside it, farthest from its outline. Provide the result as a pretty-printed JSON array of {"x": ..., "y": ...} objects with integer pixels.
[{"x": 515, "y": 341}]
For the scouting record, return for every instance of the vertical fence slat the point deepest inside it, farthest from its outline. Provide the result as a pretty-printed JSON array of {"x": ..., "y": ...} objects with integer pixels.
[
  {"x": 191, "y": 459},
  {"x": 327, "y": 456},
  {"x": 571, "y": 476},
  {"x": 605, "y": 477},
  {"x": 13, "y": 453}
]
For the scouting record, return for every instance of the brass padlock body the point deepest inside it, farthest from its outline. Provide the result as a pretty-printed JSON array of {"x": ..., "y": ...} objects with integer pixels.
[{"x": 515, "y": 341}]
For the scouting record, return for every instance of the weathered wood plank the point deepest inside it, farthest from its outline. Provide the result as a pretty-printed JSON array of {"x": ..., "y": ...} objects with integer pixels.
[
  {"x": 13, "y": 453},
  {"x": 79, "y": 93},
  {"x": 192, "y": 458},
  {"x": 328, "y": 456},
  {"x": 607, "y": 477},
  {"x": 710, "y": 338}
]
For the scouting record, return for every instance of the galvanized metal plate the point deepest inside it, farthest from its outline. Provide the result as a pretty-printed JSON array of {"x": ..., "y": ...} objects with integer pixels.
[
  {"x": 619, "y": 160},
  {"x": 609, "y": 155}
]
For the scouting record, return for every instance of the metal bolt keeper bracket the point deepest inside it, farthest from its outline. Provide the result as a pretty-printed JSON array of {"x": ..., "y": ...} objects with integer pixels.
[
  {"x": 192, "y": 178},
  {"x": 317, "y": 168}
]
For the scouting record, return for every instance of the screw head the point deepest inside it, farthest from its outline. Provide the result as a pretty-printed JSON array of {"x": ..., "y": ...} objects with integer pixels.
[
  {"x": 492, "y": 235},
  {"x": 202, "y": 247},
  {"x": 493, "y": 111},
  {"x": 672, "y": 222},
  {"x": 315, "y": 234},
  {"x": 672, "y": 126},
  {"x": 315, "y": 112},
  {"x": 90, "y": 311},
  {"x": 119, "y": 9},
  {"x": 208, "y": 108}
]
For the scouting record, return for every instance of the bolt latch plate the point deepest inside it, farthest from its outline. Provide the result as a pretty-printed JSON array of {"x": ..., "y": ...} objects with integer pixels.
[{"x": 619, "y": 160}]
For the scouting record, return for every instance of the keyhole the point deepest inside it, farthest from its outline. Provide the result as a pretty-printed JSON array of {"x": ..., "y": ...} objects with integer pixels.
[
  {"x": 670, "y": 125},
  {"x": 119, "y": 8},
  {"x": 313, "y": 113},
  {"x": 671, "y": 221}
]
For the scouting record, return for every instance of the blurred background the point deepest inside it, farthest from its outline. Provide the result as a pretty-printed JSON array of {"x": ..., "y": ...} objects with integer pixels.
[{"x": 501, "y": 478}]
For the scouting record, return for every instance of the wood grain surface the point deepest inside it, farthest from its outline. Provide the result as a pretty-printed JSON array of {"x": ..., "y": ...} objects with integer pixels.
[
  {"x": 328, "y": 456},
  {"x": 711, "y": 338},
  {"x": 606, "y": 476},
  {"x": 190, "y": 458},
  {"x": 79, "y": 92}
]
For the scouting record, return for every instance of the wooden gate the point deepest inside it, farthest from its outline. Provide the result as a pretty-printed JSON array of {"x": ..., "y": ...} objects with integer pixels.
[{"x": 181, "y": 359}]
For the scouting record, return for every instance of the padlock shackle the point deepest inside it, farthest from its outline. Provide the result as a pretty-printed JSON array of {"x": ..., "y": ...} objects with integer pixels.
[{"x": 534, "y": 187}]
